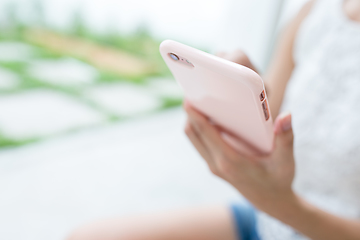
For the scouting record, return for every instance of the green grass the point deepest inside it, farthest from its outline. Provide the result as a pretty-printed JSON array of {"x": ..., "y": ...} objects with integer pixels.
[
  {"x": 17, "y": 67},
  {"x": 171, "y": 102},
  {"x": 44, "y": 53},
  {"x": 7, "y": 142}
]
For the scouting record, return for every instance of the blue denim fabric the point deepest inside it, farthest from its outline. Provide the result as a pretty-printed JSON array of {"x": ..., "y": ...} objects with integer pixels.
[{"x": 244, "y": 216}]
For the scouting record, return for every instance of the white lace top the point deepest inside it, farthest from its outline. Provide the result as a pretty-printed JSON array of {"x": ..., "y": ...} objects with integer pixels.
[{"x": 324, "y": 98}]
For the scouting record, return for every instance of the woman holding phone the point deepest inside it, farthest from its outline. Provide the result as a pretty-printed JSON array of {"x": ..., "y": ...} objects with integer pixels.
[{"x": 306, "y": 189}]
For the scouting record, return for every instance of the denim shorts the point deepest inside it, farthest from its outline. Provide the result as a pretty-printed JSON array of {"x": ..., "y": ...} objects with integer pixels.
[{"x": 244, "y": 216}]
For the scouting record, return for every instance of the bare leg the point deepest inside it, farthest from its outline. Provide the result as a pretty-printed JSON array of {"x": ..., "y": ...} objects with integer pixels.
[{"x": 206, "y": 223}]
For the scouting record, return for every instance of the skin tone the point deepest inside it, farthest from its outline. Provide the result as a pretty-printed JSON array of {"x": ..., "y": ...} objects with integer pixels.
[
  {"x": 264, "y": 180},
  {"x": 352, "y": 8},
  {"x": 205, "y": 223}
]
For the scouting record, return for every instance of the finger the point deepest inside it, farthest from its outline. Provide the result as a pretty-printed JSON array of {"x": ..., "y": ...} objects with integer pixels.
[
  {"x": 241, "y": 58},
  {"x": 200, "y": 147},
  {"x": 208, "y": 133},
  {"x": 283, "y": 130},
  {"x": 196, "y": 141},
  {"x": 221, "y": 54}
]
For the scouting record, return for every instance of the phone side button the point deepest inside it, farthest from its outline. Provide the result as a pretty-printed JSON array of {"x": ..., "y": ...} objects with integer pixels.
[
  {"x": 266, "y": 110},
  {"x": 262, "y": 95}
]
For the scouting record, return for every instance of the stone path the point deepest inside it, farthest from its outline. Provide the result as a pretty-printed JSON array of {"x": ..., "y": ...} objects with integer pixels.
[
  {"x": 138, "y": 166},
  {"x": 42, "y": 96}
]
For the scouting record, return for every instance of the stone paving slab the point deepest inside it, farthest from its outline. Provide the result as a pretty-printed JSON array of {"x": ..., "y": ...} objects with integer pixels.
[
  {"x": 124, "y": 99},
  {"x": 40, "y": 112},
  {"x": 63, "y": 72},
  {"x": 8, "y": 79},
  {"x": 11, "y": 51},
  {"x": 141, "y": 166},
  {"x": 165, "y": 87}
]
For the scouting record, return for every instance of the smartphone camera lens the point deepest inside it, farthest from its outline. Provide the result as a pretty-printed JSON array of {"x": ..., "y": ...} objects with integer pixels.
[{"x": 174, "y": 56}]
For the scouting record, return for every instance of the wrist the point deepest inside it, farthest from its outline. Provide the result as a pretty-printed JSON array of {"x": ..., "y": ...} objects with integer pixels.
[
  {"x": 291, "y": 209},
  {"x": 287, "y": 206},
  {"x": 275, "y": 203},
  {"x": 281, "y": 206}
]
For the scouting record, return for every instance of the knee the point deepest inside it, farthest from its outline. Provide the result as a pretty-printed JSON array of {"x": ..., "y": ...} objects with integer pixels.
[
  {"x": 105, "y": 230},
  {"x": 81, "y": 234},
  {"x": 94, "y": 231}
]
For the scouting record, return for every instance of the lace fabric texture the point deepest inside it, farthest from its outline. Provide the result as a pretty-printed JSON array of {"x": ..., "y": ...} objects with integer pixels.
[{"x": 323, "y": 96}]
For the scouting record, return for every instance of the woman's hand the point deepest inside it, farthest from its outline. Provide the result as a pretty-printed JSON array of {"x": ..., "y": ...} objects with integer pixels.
[
  {"x": 238, "y": 57},
  {"x": 264, "y": 180}
]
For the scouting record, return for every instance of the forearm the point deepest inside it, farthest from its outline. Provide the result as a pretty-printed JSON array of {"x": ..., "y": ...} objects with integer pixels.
[
  {"x": 313, "y": 222},
  {"x": 276, "y": 82},
  {"x": 282, "y": 64}
]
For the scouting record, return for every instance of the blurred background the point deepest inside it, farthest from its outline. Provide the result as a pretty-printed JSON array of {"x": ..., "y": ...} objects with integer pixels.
[{"x": 91, "y": 124}]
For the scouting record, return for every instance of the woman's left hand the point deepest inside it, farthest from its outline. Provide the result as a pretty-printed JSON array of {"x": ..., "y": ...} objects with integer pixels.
[{"x": 264, "y": 180}]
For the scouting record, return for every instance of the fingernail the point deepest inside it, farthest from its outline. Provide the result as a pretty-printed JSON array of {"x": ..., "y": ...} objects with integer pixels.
[{"x": 286, "y": 122}]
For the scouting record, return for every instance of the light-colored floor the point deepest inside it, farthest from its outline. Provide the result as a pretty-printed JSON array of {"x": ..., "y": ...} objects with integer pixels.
[{"x": 48, "y": 188}]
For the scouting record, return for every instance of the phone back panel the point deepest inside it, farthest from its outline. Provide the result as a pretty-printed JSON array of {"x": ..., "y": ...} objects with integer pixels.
[{"x": 226, "y": 92}]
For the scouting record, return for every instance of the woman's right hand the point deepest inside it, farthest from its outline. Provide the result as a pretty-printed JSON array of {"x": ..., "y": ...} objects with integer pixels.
[{"x": 239, "y": 57}]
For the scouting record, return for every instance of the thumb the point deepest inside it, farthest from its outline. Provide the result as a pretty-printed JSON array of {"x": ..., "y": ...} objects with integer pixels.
[{"x": 283, "y": 130}]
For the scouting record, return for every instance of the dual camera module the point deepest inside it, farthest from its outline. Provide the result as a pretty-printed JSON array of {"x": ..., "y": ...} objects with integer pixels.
[{"x": 175, "y": 57}]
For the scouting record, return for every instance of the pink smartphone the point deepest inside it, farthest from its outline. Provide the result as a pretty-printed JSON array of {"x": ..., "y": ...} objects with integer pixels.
[{"x": 231, "y": 95}]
